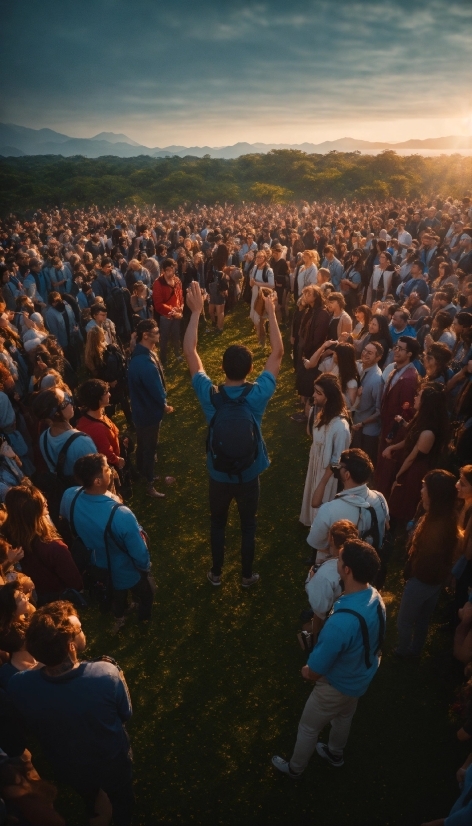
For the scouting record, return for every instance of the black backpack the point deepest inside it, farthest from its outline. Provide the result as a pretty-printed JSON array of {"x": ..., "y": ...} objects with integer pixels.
[
  {"x": 372, "y": 533},
  {"x": 233, "y": 435},
  {"x": 54, "y": 483}
]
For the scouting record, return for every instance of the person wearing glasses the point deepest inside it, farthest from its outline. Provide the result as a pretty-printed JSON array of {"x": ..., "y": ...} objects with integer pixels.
[
  {"x": 397, "y": 401},
  {"x": 58, "y": 406},
  {"x": 366, "y": 415}
]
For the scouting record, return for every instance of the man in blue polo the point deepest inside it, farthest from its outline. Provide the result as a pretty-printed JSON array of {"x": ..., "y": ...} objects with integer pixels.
[
  {"x": 242, "y": 486},
  {"x": 343, "y": 662}
]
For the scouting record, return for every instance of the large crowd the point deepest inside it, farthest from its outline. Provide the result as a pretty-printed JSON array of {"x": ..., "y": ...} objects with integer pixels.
[{"x": 374, "y": 302}]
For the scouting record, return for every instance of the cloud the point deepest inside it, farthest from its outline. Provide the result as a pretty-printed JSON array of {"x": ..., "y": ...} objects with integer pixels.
[{"x": 208, "y": 67}]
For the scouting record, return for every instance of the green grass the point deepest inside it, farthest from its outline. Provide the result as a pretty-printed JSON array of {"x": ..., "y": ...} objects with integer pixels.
[{"x": 215, "y": 681}]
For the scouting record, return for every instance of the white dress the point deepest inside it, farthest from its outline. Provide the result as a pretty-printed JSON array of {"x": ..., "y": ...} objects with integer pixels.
[
  {"x": 329, "y": 441},
  {"x": 256, "y": 275}
]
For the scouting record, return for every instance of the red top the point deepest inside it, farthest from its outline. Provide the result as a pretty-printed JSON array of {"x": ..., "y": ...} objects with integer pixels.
[
  {"x": 51, "y": 567},
  {"x": 104, "y": 434},
  {"x": 165, "y": 297}
]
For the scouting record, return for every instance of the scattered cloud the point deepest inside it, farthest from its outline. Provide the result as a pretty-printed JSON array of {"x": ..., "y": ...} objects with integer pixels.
[{"x": 218, "y": 70}]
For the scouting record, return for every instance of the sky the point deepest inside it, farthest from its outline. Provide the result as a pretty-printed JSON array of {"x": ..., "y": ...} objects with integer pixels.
[{"x": 194, "y": 72}]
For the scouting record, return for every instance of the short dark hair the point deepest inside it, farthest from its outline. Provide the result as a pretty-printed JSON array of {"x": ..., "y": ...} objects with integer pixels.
[
  {"x": 358, "y": 464},
  {"x": 464, "y": 319},
  {"x": 412, "y": 346},
  {"x": 105, "y": 261},
  {"x": 362, "y": 559},
  {"x": 13, "y": 635},
  {"x": 168, "y": 262},
  {"x": 145, "y": 326},
  {"x": 418, "y": 264},
  {"x": 88, "y": 467},
  {"x": 50, "y": 632},
  {"x": 97, "y": 308},
  {"x": 90, "y": 392},
  {"x": 237, "y": 362}
]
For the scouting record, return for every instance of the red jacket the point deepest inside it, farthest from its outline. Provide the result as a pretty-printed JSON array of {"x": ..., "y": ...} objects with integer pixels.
[
  {"x": 165, "y": 297},
  {"x": 105, "y": 435}
]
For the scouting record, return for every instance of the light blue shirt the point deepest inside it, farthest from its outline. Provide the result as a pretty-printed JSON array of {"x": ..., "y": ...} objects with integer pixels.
[
  {"x": 81, "y": 446},
  {"x": 263, "y": 390},
  {"x": 339, "y": 654},
  {"x": 128, "y": 552}
]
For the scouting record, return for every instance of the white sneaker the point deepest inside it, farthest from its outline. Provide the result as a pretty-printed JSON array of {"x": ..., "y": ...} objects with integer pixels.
[
  {"x": 284, "y": 766},
  {"x": 251, "y": 580}
]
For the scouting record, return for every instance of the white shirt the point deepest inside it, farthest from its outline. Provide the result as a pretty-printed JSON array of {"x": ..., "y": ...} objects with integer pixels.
[{"x": 324, "y": 588}]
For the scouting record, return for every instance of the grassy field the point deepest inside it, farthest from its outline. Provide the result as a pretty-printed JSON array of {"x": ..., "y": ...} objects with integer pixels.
[{"x": 215, "y": 681}]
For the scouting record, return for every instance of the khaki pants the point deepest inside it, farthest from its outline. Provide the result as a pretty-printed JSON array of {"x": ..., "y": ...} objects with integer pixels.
[{"x": 324, "y": 705}]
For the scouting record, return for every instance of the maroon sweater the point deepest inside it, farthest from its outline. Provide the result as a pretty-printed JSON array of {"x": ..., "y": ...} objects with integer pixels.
[{"x": 51, "y": 567}]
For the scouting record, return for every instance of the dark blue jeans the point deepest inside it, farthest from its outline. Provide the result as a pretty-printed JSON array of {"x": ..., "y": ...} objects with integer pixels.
[
  {"x": 116, "y": 779},
  {"x": 246, "y": 495}
]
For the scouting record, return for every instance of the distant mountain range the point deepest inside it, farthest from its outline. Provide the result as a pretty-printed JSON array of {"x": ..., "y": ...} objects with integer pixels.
[{"x": 16, "y": 141}]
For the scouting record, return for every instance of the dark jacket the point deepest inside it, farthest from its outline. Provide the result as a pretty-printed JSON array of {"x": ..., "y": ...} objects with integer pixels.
[{"x": 146, "y": 387}]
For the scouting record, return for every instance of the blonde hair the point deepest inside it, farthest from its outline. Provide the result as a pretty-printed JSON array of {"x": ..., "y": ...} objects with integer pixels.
[
  {"x": 94, "y": 348},
  {"x": 313, "y": 256}
]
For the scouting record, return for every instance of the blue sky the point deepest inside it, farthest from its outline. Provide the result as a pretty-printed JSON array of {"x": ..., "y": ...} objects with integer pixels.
[{"x": 217, "y": 73}]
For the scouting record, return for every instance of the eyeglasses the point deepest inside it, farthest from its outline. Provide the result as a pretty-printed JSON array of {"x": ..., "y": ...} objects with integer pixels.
[
  {"x": 397, "y": 347},
  {"x": 67, "y": 400}
]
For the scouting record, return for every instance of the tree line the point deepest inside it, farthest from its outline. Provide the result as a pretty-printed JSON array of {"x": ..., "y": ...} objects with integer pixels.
[{"x": 281, "y": 176}]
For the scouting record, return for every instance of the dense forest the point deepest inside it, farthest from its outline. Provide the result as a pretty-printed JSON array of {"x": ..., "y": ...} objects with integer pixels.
[{"x": 281, "y": 175}]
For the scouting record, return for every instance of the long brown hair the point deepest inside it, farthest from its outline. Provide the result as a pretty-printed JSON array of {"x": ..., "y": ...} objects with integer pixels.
[
  {"x": 94, "y": 348},
  {"x": 27, "y": 518},
  {"x": 438, "y": 528},
  {"x": 335, "y": 402},
  {"x": 431, "y": 415}
]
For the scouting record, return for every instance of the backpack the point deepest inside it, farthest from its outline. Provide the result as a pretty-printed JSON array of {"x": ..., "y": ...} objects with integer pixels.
[
  {"x": 118, "y": 304},
  {"x": 54, "y": 483},
  {"x": 233, "y": 435},
  {"x": 372, "y": 533}
]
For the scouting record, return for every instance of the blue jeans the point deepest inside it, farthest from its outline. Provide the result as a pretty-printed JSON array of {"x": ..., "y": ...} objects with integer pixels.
[
  {"x": 247, "y": 500},
  {"x": 416, "y": 609}
]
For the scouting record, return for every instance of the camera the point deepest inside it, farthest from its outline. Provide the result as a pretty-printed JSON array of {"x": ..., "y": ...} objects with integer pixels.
[{"x": 336, "y": 471}]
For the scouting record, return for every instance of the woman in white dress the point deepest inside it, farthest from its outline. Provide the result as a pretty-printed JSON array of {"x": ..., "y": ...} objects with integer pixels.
[
  {"x": 261, "y": 275},
  {"x": 330, "y": 430}
]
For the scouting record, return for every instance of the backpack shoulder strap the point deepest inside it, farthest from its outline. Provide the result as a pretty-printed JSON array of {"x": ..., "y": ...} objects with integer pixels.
[
  {"x": 46, "y": 448},
  {"x": 381, "y": 617},
  {"x": 364, "y": 632},
  {"x": 63, "y": 451},
  {"x": 71, "y": 513}
]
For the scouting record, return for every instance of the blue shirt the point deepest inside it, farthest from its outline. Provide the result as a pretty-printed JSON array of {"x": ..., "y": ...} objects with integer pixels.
[
  {"x": 339, "y": 654},
  {"x": 77, "y": 717},
  {"x": 81, "y": 446},
  {"x": 416, "y": 285},
  {"x": 263, "y": 390},
  {"x": 461, "y": 812},
  {"x": 128, "y": 554}
]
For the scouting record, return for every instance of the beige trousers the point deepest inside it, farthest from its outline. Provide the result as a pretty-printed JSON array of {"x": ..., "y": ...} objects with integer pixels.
[{"x": 324, "y": 705}]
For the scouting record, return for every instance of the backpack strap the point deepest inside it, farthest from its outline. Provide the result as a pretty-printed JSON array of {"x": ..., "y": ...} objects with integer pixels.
[
  {"x": 364, "y": 632},
  {"x": 219, "y": 396},
  {"x": 71, "y": 513},
  {"x": 105, "y": 537},
  {"x": 61, "y": 459}
]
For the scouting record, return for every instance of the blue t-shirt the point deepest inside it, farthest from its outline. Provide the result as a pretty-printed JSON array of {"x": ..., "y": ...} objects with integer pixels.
[
  {"x": 339, "y": 654},
  {"x": 128, "y": 552},
  {"x": 263, "y": 390},
  {"x": 81, "y": 446},
  {"x": 77, "y": 717}
]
